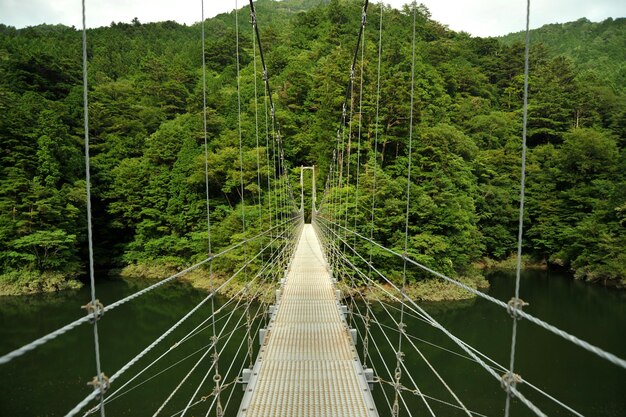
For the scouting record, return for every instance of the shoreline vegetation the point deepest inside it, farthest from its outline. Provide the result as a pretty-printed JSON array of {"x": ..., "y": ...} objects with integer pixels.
[
  {"x": 432, "y": 290},
  {"x": 425, "y": 290}
]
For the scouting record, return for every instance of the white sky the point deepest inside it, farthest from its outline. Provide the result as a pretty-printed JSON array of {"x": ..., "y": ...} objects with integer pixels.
[{"x": 477, "y": 17}]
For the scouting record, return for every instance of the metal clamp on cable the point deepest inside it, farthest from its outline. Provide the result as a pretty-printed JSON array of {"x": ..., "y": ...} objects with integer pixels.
[
  {"x": 94, "y": 309},
  {"x": 253, "y": 16},
  {"x": 509, "y": 381},
  {"x": 100, "y": 383},
  {"x": 514, "y": 307}
]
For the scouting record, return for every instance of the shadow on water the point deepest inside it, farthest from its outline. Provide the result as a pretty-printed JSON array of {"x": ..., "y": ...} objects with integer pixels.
[{"x": 52, "y": 379}]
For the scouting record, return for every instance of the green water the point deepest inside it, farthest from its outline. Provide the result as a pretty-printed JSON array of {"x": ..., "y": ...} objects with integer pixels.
[{"x": 52, "y": 379}]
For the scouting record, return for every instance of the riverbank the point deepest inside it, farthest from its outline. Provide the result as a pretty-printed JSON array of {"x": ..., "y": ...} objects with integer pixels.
[
  {"x": 434, "y": 289},
  {"x": 585, "y": 274},
  {"x": 510, "y": 263},
  {"x": 426, "y": 290},
  {"x": 31, "y": 282}
]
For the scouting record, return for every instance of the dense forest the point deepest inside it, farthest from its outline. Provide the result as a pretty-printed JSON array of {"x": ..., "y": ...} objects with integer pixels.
[{"x": 146, "y": 129}]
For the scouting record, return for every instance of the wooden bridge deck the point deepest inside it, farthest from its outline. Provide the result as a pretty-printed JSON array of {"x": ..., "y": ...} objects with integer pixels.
[{"x": 308, "y": 365}]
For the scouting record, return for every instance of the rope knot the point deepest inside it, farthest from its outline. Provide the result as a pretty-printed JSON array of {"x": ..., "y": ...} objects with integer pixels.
[
  {"x": 509, "y": 381},
  {"x": 100, "y": 383},
  {"x": 514, "y": 307},
  {"x": 95, "y": 309}
]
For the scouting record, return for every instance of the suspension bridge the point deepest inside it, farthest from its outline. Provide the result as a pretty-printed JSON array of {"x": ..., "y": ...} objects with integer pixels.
[{"x": 307, "y": 348}]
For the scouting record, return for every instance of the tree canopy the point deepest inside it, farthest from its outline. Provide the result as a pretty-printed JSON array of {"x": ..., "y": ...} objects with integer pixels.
[{"x": 146, "y": 127}]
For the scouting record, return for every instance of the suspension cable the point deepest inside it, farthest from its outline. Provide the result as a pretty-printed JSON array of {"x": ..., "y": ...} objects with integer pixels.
[
  {"x": 62, "y": 330},
  {"x": 496, "y": 366},
  {"x": 516, "y": 303},
  {"x": 128, "y": 365},
  {"x": 94, "y": 308},
  {"x": 374, "y": 167},
  {"x": 401, "y": 324},
  {"x": 553, "y": 329},
  {"x": 436, "y": 324}
]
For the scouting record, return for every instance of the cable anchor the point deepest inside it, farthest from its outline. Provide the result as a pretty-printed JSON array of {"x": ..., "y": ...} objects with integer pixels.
[
  {"x": 514, "y": 307},
  {"x": 95, "y": 309}
]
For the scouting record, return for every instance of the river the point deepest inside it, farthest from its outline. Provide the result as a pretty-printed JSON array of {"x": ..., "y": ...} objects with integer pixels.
[{"x": 52, "y": 379}]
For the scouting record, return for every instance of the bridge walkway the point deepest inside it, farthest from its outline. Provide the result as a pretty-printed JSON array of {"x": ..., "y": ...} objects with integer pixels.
[{"x": 308, "y": 365}]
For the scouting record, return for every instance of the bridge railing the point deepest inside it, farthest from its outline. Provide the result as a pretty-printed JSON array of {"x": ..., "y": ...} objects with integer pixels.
[{"x": 378, "y": 306}]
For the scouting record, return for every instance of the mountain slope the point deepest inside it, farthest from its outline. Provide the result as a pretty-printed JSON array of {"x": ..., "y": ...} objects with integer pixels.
[{"x": 598, "y": 48}]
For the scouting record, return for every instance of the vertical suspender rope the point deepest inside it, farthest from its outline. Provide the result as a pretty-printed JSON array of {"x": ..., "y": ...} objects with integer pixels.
[
  {"x": 376, "y": 120},
  {"x": 258, "y": 173},
  {"x": 349, "y": 144},
  {"x": 345, "y": 120},
  {"x": 241, "y": 186},
  {"x": 100, "y": 382},
  {"x": 206, "y": 165},
  {"x": 515, "y": 304},
  {"x": 401, "y": 325},
  {"x": 267, "y": 150},
  {"x": 219, "y": 410},
  {"x": 214, "y": 338},
  {"x": 206, "y": 175},
  {"x": 284, "y": 184},
  {"x": 358, "y": 148}
]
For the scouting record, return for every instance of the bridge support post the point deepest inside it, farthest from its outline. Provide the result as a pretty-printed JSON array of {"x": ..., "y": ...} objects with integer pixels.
[
  {"x": 246, "y": 374},
  {"x": 369, "y": 377}
]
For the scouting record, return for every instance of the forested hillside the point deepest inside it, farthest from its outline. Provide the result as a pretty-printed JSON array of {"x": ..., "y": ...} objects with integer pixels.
[
  {"x": 598, "y": 49},
  {"x": 147, "y": 141}
]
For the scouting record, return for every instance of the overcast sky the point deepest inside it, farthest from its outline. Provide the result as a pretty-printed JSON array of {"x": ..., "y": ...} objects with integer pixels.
[{"x": 477, "y": 17}]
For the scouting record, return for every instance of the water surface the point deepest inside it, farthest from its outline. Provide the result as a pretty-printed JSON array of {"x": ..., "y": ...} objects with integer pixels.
[{"x": 52, "y": 379}]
